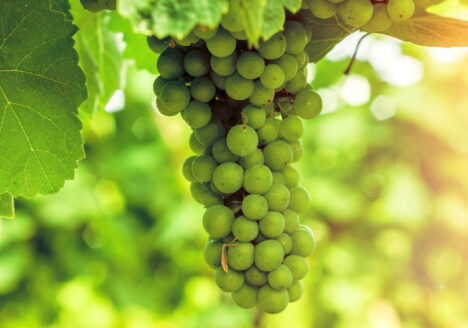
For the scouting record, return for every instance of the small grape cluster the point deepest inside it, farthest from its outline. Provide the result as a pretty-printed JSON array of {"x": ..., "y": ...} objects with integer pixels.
[
  {"x": 233, "y": 97},
  {"x": 369, "y": 15},
  {"x": 98, "y": 5}
]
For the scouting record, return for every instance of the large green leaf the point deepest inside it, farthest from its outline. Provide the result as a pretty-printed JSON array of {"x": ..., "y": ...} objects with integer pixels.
[
  {"x": 274, "y": 15},
  {"x": 7, "y": 206},
  {"x": 252, "y": 12},
  {"x": 41, "y": 87}
]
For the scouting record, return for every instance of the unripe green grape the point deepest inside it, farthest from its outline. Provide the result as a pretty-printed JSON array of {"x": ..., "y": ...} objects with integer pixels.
[
  {"x": 400, "y": 10},
  {"x": 285, "y": 104},
  {"x": 356, "y": 12},
  {"x": 199, "y": 191},
  {"x": 195, "y": 145},
  {"x": 233, "y": 19},
  {"x": 212, "y": 199},
  {"x": 224, "y": 66},
  {"x": 253, "y": 116},
  {"x": 255, "y": 277},
  {"x": 218, "y": 80},
  {"x": 303, "y": 242},
  {"x": 197, "y": 114},
  {"x": 202, "y": 89},
  {"x": 300, "y": 199},
  {"x": 297, "y": 149},
  {"x": 380, "y": 20},
  {"x": 257, "y": 179},
  {"x": 174, "y": 96},
  {"x": 272, "y": 77},
  {"x": 228, "y": 281},
  {"x": 269, "y": 131},
  {"x": 271, "y": 300},
  {"x": 298, "y": 266},
  {"x": 228, "y": 177},
  {"x": 298, "y": 83},
  {"x": 322, "y": 8},
  {"x": 256, "y": 158},
  {"x": 242, "y": 140},
  {"x": 291, "y": 128},
  {"x": 269, "y": 109},
  {"x": 158, "y": 84},
  {"x": 268, "y": 255},
  {"x": 244, "y": 229},
  {"x": 213, "y": 253},
  {"x": 307, "y": 104},
  {"x": 208, "y": 134},
  {"x": 188, "y": 40},
  {"x": 196, "y": 63},
  {"x": 296, "y": 37},
  {"x": 221, "y": 152},
  {"x": 261, "y": 95},
  {"x": 187, "y": 169},
  {"x": 203, "y": 167},
  {"x": 215, "y": 190},
  {"x": 272, "y": 225},
  {"x": 286, "y": 242},
  {"x": 245, "y": 297},
  {"x": 204, "y": 32},
  {"x": 163, "y": 110},
  {"x": 291, "y": 221},
  {"x": 289, "y": 66},
  {"x": 273, "y": 48},
  {"x": 278, "y": 155},
  {"x": 281, "y": 278},
  {"x": 171, "y": 63},
  {"x": 295, "y": 291},
  {"x": 336, "y": 1},
  {"x": 291, "y": 176},
  {"x": 278, "y": 197},
  {"x": 157, "y": 45},
  {"x": 241, "y": 255},
  {"x": 238, "y": 87},
  {"x": 250, "y": 65},
  {"x": 254, "y": 207},
  {"x": 302, "y": 59},
  {"x": 217, "y": 221},
  {"x": 278, "y": 178},
  {"x": 222, "y": 44}
]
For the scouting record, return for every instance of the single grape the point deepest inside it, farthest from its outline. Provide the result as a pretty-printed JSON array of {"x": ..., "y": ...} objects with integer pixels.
[
  {"x": 250, "y": 65},
  {"x": 228, "y": 281},
  {"x": 291, "y": 176},
  {"x": 295, "y": 291},
  {"x": 195, "y": 145},
  {"x": 238, "y": 87},
  {"x": 254, "y": 207},
  {"x": 356, "y": 12},
  {"x": 302, "y": 59},
  {"x": 298, "y": 83},
  {"x": 199, "y": 192},
  {"x": 297, "y": 149},
  {"x": 272, "y": 77},
  {"x": 187, "y": 169},
  {"x": 298, "y": 266},
  {"x": 204, "y": 32},
  {"x": 322, "y": 8},
  {"x": 272, "y": 300},
  {"x": 202, "y": 89},
  {"x": 203, "y": 167},
  {"x": 257, "y": 179},
  {"x": 255, "y": 277},
  {"x": 286, "y": 242},
  {"x": 278, "y": 197},
  {"x": 217, "y": 221},
  {"x": 157, "y": 45},
  {"x": 289, "y": 66},
  {"x": 296, "y": 37},
  {"x": 281, "y": 278},
  {"x": 245, "y": 297},
  {"x": 261, "y": 95},
  {"x": 163, "y": 110},
  {"x": 218, "y": 80},
  {"x": 278, "y": 155},
  {"x": 158, "y": 84},
  {"x": 242, "y": 140},
  {"x": 400, "y": 10},
  {"x": 175, "y": 96},
  {"x": 300, "y": 199},
  {"x": 196, "y": 63},
  {"x": 212, "y": 199},
  {"x": 268, "y": 255},
  {"x": 244, "y": 229},
  {"x": 272, "y": 225},
  {"x": 307, "y": 104},
  {"x": 197, "y": 114},
  {"x": 273, "y": 48},
  {"x": 222, "y": 44},
  {"x": 291, "y": 221},
  {"x": 188, "y": 40},
  {"x": 278, "y": 178},
  {"x": 380, "y": 20},
  {"x": 253, "y": 116},
  {"x": 228, "y": 177},
  {"x": 212, "y": 253},
  {"x": 256, "y": 158},
  {"x": 303, "y": 242},
  {"x": 221, "y": 152},
  {"x": 171, "y": 63},
  {"x": 269, "y": 131},
  {"x": 224, "y": 66},
  {"x": 233, "y": 19},
  {"x": 208, "y": 134},
  {"x": 241, "y": 255},
  {"x": 291, "y": 128}
]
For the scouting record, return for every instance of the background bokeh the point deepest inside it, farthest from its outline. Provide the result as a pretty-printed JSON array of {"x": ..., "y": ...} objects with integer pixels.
[{"x": 386, "y": 165}]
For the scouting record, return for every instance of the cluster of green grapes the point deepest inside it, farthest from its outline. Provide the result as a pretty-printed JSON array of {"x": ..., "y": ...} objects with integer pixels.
[
  {"x": 245, "y": 107},
  {"x": 369, "y": 15},
  {"x": 98, "y": 5}
]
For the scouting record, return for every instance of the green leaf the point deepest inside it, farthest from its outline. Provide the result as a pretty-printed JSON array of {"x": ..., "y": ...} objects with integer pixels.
[
  {"x": 7, "y": 206},
  {"x": 326, "y": 33},
  {"x": 274, "y": 15},
  {"x": 41, "y": 87},
  {"x": 253, "y": 18},
  {"x": 431, "y": 30},
  {"x": 62, "y": 6}
]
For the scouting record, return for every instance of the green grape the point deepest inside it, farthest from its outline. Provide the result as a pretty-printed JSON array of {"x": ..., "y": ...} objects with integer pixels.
[
  {"x": 218, "y": 80},
  {"x": 224, "y": 66},
  {"x": 240, "y": 35},
  {"x": 261, "y": 95},
  {"x": 244, "y": 229},
  {"x": 291, "y": 176},
  {"x": 281, "y": 278},
  {"x": 233, "y": 19},
  {"x": 336, "y": 1},
  {"x": 253, "y": 116},
  {"x": 285, "y": 104},
  {"x": 356, "y": 12},
  {"x": 269, "y": 131},
  {"x": 157, "y": 45},
  {"x": 257, "y": 179},
  {"x": 272, "y": 300},
  {"x": 163, "y": 110},
  {"x": 291, "y": 221},
  {"x": 268, "y": 255},
  {"x": 228, "y": 281},
  {"x": 221, "y": 152},
  {"x": 228, "y": 177},
  {"x": 296, "y": 37},
  {"x": 216, "y": 190},
  {"x": 289, "y": 66},
  {"x": 269, "y": 109},
  {"x": 242, "y": 140},
  {"x": 92, "y": 5},
  {"x": 307, "y": 104},
  {"x": 199, "y": 192},
  {"x": 295, "y": 291},
  {"x": 303, "y": 242},
  {"x": 175, "y": 96},
  {"x": 188, "y": 40},
  {"x": 302, "y": 59},
  {"x": 110, "y": 4},
  {"x": 298, "y": 83},
  {"x": 217, "y": 221},
  {"x": 278, "y": 197},
  {"x": 212, "y": 253},
  {"x": 254, "y": 207},
  {"x": 298, "y": 266},
  {"x": 204, "y": 32},
  {"x": 380, "y": 20},
  {"x": 197, "y": 114},
  {"x": 300, "y": 199},
  {"x": 196, "y": 63},
  {"x": 187, "y": 169},
  {"x": 291, "y": 128},
  {"x": 286, "y": 242},
  {"x": 272, "y": 225},
  {"x": 238, "y": 87},
  {"x": 278, "y": 155},
  {"x": 256, "y": 158},
  {"x": 297, "y": 149},
  {"x": 203, "y": 167},
  {"x": 212, "y": 199},
  {"x": 195, "y": 145},
  {"x": 400, "y": 10},
  {"x": 273, "y": 48},
  {"x": 208, "y": 134},
  {"x": 255, "y": 277},
  {"x": 222, "y": 44},
  {"x": 250, "y": 65},
  {"x": 158, "y": 84},
  {"x": 245, "y": 297},
  {"x": 202, "y": 89},
  {"x": 171, "y": 63},
  {"x": 278, "y": 178},
  {"x": 241, "y": 255},
  {"x": 322, "y": 8},
  {"x": 272, "y": 77}
]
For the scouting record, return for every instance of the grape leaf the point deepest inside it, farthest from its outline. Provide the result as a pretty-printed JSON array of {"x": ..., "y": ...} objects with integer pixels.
[
  {"x": 62, "y": 6},
  {"x": 431, "y": 30},
  {"x": 274, "y": 15},
  {"x": 7, "y": 206},
  {"x": 253, "y": 18},
  {"x": 41, "y": 87}
]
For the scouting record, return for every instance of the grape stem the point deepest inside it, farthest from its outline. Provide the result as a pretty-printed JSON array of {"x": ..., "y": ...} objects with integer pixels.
[
  {"x": 224, "y": 254},
  {"x": 353, "y": 59}
]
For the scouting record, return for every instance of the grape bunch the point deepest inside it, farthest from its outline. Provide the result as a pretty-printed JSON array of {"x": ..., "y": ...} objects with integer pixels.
[
  {"x": 245, "y": 107},
  {"x": 98, "y": 5},
  {"x": 369, "y": 15}
]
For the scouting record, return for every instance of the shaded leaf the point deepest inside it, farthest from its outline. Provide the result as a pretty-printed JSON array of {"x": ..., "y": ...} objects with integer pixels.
[
  {"x": 253, "y": 18},
  {"x": 62, "y": 6},
  {"x": 7, "y": 206}
]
